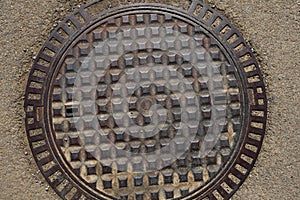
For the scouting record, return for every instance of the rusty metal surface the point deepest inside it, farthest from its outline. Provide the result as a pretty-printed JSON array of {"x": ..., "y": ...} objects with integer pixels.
[{"x": 145, "y": 102}]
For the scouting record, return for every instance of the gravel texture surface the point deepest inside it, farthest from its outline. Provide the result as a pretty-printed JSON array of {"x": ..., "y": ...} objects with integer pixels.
[{"x": 271, "y": 26}]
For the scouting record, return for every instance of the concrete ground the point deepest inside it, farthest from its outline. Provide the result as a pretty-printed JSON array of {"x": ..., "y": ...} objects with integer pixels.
[{"x": 271, "y": 26}]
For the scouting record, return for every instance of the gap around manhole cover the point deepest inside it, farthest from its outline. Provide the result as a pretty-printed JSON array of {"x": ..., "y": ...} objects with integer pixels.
[{"x": 145, "y": 102}]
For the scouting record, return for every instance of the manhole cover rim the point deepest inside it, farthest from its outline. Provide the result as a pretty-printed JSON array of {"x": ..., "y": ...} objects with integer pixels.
[{"x": 259, "y": 84}]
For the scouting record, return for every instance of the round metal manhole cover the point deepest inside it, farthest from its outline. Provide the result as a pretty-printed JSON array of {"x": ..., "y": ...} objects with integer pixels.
[{"x": 145, "y": 102}]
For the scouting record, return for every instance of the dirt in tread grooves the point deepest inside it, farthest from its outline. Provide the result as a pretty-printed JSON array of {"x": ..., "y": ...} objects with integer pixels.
[{"x": 271, "y": 26}]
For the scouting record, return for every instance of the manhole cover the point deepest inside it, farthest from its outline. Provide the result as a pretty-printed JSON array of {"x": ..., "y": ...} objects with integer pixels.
[{"x": 145, "y": 102}]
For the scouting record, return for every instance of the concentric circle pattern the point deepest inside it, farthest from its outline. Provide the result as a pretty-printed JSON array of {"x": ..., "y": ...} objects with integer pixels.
[{"x": 145, "y": 102}]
